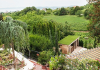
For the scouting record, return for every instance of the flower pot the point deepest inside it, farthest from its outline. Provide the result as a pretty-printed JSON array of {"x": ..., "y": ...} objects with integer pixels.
[{"x": 43, "y": 67}]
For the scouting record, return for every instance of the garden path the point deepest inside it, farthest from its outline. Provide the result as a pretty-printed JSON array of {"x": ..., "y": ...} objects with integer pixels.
[{"x": 37, "y": 65}]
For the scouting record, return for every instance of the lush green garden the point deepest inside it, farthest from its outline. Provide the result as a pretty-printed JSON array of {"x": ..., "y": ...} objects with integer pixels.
[{"x": 39, "y": 31}]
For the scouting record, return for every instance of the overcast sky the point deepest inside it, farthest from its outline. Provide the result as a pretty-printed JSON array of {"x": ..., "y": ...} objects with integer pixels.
[
  {"x": 40, "y": 3},
  {"x": 15, "y": 5}
]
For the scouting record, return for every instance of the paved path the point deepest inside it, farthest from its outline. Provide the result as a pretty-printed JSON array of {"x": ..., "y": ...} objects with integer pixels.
[{"x": 37, "y": 66}]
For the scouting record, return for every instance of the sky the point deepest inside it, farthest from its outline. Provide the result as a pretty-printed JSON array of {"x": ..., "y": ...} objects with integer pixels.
[{"x": 39, "y": 3}]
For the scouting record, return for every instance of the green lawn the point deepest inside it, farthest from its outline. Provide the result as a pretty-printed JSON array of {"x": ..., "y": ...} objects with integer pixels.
[
  {"x": 76, "y": 23},
  {"x": 68, "y": 40}
]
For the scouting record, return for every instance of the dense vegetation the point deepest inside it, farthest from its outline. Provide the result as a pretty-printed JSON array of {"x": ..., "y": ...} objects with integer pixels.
[{"x": 47, "y": 27}]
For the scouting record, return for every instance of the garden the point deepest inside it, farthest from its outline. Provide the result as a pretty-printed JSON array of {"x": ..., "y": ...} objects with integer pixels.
[
  {"x": 35, "y": 35},
  {"x": 60, "y": 62},
  {"x": 6, "y": 61}
]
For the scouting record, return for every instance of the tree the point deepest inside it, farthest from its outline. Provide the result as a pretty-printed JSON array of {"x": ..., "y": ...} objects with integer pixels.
[
  {"x": 1, "y": 17},
  {"x": 72, "y": 12},
  {"x": 48, "y": 11},
  {"x": 42, "y": 12},
  {"x": 63, "y": 11},
  {"x": 94, "y": 26},
  {"x": 82, "y": 7},
  {"x": 56, "y": 12},
  {"x": 76, "y": 8},
  {"x": 14, "y": 33},
  {"x": 86, "y": 13},
  {"x": 79, "y": 12}
]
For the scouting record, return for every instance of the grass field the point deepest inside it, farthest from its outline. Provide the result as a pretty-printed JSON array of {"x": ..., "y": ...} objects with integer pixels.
[{"x": 76, "y": 23}]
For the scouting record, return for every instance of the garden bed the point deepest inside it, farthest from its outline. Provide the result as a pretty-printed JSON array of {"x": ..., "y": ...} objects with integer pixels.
[{"x": 6, "y": 61}]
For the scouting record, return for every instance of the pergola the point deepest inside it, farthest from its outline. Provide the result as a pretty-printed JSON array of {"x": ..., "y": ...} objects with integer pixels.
[
  {"x": 69, "y": 43},
  {"x": 91, "y": 54}
]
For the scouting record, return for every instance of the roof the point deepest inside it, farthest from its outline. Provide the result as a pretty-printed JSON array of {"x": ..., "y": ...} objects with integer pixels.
[
  {"x": 68, "y": 40},
  {"x": 90, "y": 53}
]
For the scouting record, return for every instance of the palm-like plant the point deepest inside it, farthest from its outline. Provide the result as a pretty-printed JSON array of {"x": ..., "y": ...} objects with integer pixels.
[{"x": 14, "y": 33}]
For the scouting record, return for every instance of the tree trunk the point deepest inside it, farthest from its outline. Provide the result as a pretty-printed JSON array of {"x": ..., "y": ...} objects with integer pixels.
[{"x": 13, "y": 55}]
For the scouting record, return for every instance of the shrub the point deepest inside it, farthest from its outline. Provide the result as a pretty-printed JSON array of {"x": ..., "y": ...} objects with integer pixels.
[
  {"x": 45, "y": 56},
  {"x": 79, "y": 12},
  {"x": 57, "y": 62},
  {"x": 39, "y": 42}
]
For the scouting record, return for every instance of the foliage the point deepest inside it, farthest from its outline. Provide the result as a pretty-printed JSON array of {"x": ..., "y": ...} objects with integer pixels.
[
  {"x": 88, "y": 64},
  {"x": 72, "y": 64},
  {"x": 37, "y": 25},
  {"x": 53, "y": 63},
  {"x": 0, "y": 42},
  {"x": 42, "y": 12},
  {"x": 39, "y": 42},
  {"x": 75, "y": 23},
  {"x": 73, "y": 10},
  {"x": 1, "y": 17},
  {"x": 82, "y": 7},
  {"x": 94, "y": 25},
  {"x": 79, "y": 12},
  {"x": 30, "y": 18},
  {"x": 14, "y": 33},
  {"x": 63, "y": 11},
  {"x": 86, "y": 14},
  {"x": 48, "y": 11},
  {"x": 13, "y": 30},
  {"x": 76, "y": 8},
  {"x": 98, "y": 63},
  {"x": 45, "y": 56},
  {"x": 87, "y": 42},
  {"x": 4, "y": 58},
  {"x": 25, "y": 10}
]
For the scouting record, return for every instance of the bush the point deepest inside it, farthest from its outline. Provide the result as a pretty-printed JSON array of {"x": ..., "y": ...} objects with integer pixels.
[
  {"x": 45, "y": 56},
  {"x": 39, "y": 43},
  {"x": 79, "y": 12},
  {"x": 57, "y": 62},
  {"x": 63, "y": 63}
]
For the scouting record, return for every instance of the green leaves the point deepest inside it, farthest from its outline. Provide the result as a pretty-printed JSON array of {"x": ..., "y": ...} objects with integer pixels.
[
  {"x": 14, "y": 30},
  {"x": 39, "y": 42}
]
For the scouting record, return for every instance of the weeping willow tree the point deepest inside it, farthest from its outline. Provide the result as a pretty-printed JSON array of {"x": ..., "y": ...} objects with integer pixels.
[{"x": 14, "y": 33}]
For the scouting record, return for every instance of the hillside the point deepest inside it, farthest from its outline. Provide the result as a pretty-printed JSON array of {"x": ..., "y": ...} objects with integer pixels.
[{"x": 76, "y": 23}]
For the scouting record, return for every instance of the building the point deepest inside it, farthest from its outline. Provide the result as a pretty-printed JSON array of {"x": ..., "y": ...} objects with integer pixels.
[{"x": 68, "y": 44}]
